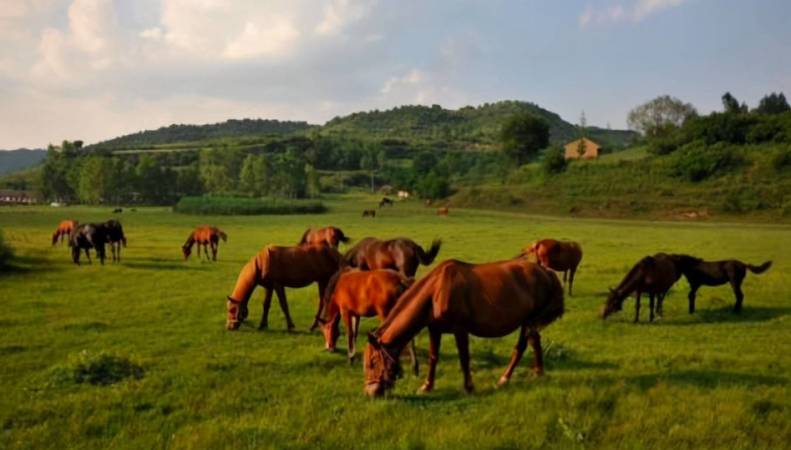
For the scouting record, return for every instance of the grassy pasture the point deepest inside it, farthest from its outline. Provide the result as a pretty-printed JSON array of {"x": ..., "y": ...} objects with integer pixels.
[{"x": 704, "y": 381}]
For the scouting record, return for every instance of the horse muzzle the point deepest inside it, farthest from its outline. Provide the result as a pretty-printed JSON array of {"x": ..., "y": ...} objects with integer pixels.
[{"x": 374, "y": 390}]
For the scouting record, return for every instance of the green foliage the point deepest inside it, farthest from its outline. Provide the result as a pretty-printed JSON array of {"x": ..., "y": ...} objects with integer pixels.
[
  {"x": 246, "y": 206},
  {"x": 434, "y": 185},
  {"x": 696, "y": 162},
  {"x": 781, "y": 159},
  {"x": 773, "y": 104},
  {"x": 100, "y": 369},
  {"x": 6, "y": 252},
  {"x": 522, "y": 136},
  {"x": 731, "y": 106},
  {"x": 554, "y": 161},
  {"x": 660, "y": 114}
]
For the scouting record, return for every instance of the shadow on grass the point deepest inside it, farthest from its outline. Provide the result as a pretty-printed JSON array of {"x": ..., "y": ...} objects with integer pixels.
[
  {"x": 556, "y": 357},
  {"x": 28, "y": 264},
  {"x": 725, "y": 314},
  {"x": 707, "y": 378}
]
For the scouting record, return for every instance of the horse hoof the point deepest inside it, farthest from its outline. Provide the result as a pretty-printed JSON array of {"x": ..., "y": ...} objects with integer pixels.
[
  {"x": 425, "y": 389},
  {"x": 502, "y": 382}
]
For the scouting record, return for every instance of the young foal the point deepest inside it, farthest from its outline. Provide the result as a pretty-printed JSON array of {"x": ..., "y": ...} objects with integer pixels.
[
  {"x": 653, "y": 275},
  {"x": 114, "y": 234},
  {"x": 331, "y": 236},
  {"x": 401, "y": 254},
  {"x": 486, "y": 300},
  {"x": 715, "y": 273},
  {"x": 207, "y": 236},
  {"x": 352, "y": 294},
  {"x": 63, "y": 232},
  {"x": 562, "y": 256}
]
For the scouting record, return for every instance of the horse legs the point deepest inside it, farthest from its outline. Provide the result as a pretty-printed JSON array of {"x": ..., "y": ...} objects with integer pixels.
[
  {"x": 265, "y": 314},
  {"x": 322, "y": 288},
  {"x": 348, "y": 321},
  {"x": 214, "y": 246},
  {"x": 736, "y": 284},
  {"x": 538, "y": 355},
  {"x": 88, "y": 255},
  {"x": 571, "y": 278},
  {"x": 463, "y": 345},
  {"x": 206, "y": 251},
  {"x": 637, "y": 308},
  {"x": 693, "y": 289},
  {"x": 198, "y": 245},
  {"x": 435, "y": 338},
  {"x": 281, "y": 297},
  {"x": 519, "y": 349},
  {"x": 651, "y": 306},
  {"x": 413, "y": 355}
]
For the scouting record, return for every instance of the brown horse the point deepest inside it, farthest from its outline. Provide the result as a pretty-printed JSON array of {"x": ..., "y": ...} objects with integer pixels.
[
  {"x": 352, "y": 294},
  {"x": 331, "y": 236},
  {"x": 561, "y": 256},
  {"x": 654, "y": 275},
  {"x": 207, "y": 236},
  {"x": 63, "y": 231},
  {"x": 400, "y": 254},
  {"x": 276, "y": 268},
  {"x": 442, "y": 211},
  {"x": 715, "y": 273},
  {"x": 486, "y": 300}
]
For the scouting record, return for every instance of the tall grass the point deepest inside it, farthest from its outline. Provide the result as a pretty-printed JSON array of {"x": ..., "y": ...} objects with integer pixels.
[{"x": 247, "y": 206}]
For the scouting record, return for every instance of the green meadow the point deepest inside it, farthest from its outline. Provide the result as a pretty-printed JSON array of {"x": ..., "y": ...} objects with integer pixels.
[{"x": 709, "y": 380}]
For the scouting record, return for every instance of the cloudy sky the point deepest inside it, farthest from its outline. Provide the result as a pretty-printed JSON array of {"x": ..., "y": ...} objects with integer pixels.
[{"x": 94, "y": 69}]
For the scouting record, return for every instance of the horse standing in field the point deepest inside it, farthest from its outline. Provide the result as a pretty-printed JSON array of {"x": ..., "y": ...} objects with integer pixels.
[
  {"x": 369, "y": 213},
  {"x": 654, "y": 275},
  {"x": 330, "y": 236},
  {"x": 63, "y": 232},
  {"x": 207, "y": 236},
  {"x": 715, "y": 273},
  {"x": 276, "y": 268},
  {"x": 443, "y": 211},
  {"x": 485, "y": 300},
  {"x": 114, "y": 233},
  {"x": 87, "y": 236},
  {"x": 352, "y": 294},
  {"x": 561, "y": 256},
  {"x": 385, "y": 202},
  {"x": 400, "y": 254}
]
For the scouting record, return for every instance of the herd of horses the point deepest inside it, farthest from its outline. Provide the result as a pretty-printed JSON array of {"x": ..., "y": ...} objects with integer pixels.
[{"x": 376, "y": 278}]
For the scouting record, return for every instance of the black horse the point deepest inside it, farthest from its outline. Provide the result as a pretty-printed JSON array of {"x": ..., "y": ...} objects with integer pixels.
[
  {"x": 85, "y": 237},
  {"x": 114, "y": 234},
  {"x": 715, "y": 273},
  {"x": 385, "y": 202},
  {"x": 653, "y": 275}
]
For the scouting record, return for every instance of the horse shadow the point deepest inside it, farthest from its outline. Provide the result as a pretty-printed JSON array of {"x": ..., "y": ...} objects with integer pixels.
[
  {"x": 707, "y": 378},
  {"x": 725, "y": 314},
  {"x": 29, "y": 264}
]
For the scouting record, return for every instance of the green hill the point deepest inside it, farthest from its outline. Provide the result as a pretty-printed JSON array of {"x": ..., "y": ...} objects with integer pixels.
[{"x": 13, "y": 160}]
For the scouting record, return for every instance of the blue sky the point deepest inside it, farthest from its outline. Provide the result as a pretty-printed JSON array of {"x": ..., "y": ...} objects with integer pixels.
[{"x": 94, "y": 69}]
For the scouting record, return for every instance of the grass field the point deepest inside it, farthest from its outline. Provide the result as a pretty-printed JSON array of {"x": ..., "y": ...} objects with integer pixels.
[{"x": 711, "y": 380}]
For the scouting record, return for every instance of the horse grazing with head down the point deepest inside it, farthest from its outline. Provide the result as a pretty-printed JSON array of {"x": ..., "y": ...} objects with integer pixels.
[
  {"x": 331, "y": 236},
  {"x": 386, "y": 202},
  {"x": 85, "y": 237},
  {"x": 485, "y": 300},
  {"x": 561, "y": 256},
  {"x": 400, "y": 254},
  {"x": 715, "y": 273},
  {"x": 63, "y": 232},
  {"x": 207, "y": 236},
  {"x": 114, "y": 234},
  {"x": 276, "y": 268},
  {"x": 653, "y": 275},
  {"x": 352, "y": 294}
]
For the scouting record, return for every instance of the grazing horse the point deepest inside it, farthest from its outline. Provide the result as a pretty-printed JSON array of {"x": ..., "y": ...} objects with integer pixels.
[
  {"x": 352, "y": 294},
  {"x": 87, "y": 236},
  {"x": 385, "y": 202},
  {"x": 114, "y": 234},
  {"x": 485, "y": 300},
  {"x": 442, "y": 211},
  {"x": 63, "y": 231},
  {"x": 118, "y": 210},
  {"x": 207, "y": 236},
  {"x": 331, "y": 236},
  {"x": 715, "y": 273},
  {"x": 400, "y": 254},
  {"x": 654, "y": 275},
  {"x": 276, "y": 268},
  {"x": 369, "y": 213},
  {"x": 561, "y": 256}
]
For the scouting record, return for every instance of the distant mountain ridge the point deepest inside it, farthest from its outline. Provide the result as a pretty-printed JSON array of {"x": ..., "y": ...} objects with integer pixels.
[{"x": 13, "y": 160}]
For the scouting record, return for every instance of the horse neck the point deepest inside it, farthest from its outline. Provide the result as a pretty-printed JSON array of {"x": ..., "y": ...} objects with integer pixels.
[
  {"x": 630, "y": 283},
  {"x": 247, "y": 281},
  {"x": 190, "y": 241},
  {"x": 410, "y": 314}
]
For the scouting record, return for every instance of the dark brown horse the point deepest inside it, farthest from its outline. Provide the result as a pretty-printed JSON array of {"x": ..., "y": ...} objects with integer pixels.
[
  {"x": 652, "y": 275},
  {"x": 352, "y": 294},
  {"x": 369, "y": 213},
  {"x": 114, "y": 234},
  {"x": 715, "y": 273},
  {"x": 63, "y": 231},
  {"x": 207, "y": 236},
  {"x": 331, "y": 236},
  {"x": 561, "y": 256},
  {"x": 485, "y": 300},
  {"x": 85, "y": 237},
  {"x": 400, "y": 254},
  {"x": 385, "y": 202},
  {"x": 276, "y": 268}
]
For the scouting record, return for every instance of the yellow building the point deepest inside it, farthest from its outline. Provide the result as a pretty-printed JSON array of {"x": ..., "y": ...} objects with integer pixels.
[{"x": 582, "y": 147}]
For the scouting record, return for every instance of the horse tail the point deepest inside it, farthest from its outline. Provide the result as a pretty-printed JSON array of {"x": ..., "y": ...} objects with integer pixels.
[
  {"x": 427, "y": 258},
  {"x": 759, "y": 269},
  {"x": 222, "y": 235},
  {"x": 304, "y": 238},
  {"x": 555, "y": 307}
]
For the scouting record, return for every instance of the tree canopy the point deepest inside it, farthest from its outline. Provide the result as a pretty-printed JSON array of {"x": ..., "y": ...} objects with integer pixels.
[{"x": 522, "y": 136}]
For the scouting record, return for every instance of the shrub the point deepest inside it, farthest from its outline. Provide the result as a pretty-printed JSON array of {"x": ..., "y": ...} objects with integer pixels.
[
  {"x": 781, "y": 159},
  {"x": 696, "y": 162},
  {"x": 6, "y": 252},
  {"x": 247, "y": 206},
  {"x": 434, "y": 185},
  {"x": 100, "y": 369},
  {"x": 554, "y": 161}
]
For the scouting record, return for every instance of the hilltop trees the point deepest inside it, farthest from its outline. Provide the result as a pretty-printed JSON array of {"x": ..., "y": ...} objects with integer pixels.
[
  {"x": 522, "y": 136},
  {"x": 660, "y": 116},
  {"x": 773, "y": 104}
]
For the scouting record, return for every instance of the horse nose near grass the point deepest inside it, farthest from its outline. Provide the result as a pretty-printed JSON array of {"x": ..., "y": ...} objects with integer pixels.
[{"x": 373, "y": 390}]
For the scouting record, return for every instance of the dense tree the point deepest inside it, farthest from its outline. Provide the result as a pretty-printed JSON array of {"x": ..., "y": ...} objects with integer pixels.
[
  {"x": 660, "y": 116},
  {"x": 773, "y": 104},
  {"x": 96, "y": 184},
  {"x": 522, "y": 136}
]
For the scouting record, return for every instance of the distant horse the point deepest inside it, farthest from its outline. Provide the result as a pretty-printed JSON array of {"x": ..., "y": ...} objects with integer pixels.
[
  {"x": 369, "y": 213},
  {"x": 352, "y": 294},
  {"x": 428, "y": 202},
  {"x": 207, "y": 236},
  {"x": 331, "y": 236},
  {"x": 114, "y": 234},
  {"x": 561, "y": 256},
  {"x": 386, "y": 202},
  {"x": 401, "y": 254},
  {"x": 654, "y": 275},
  {"x": 443, "y": 211},
  {"x": 118, "y": 210},
  {"x": 85, "y": 237},
  {"x": 715, "y": 273},
  {"x": 276, "y": 268},
  {"x": 485, "y": 300},
  {"x": 63, "y": 231}
]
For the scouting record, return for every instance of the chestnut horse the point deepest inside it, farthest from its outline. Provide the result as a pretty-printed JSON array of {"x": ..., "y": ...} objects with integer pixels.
[
  {"x": 114, "y": 234},
  {"x": 276, "y": 268},
  {"x": 207, "y": 236},
  {"x": 63, "y": 231},
  {"x": 442, "y": 211},
  {"x": 485, "y": 300},
  {"x": 331, "y": 236},
  {"x": 715, "y": 273},
  {"x": 400, "y": 254},
  {"x": 654, "y": 275},
  {"x": 352, "y": 294},
  {"x": 85, "y": 237},
  {"x": 561, "y": 256}
]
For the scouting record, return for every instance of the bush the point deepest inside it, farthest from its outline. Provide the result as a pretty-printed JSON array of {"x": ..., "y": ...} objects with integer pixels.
[
  {"x": 781, "y": 159},
  {"x": 696, "y": 162},
  {"x": 434, "y": 186},
  {"x": 6, "y": 252},
  {"x": 247, "y": 206},
  {"x": 554, "y": 161},
  {"x": 100, "y": 369}
]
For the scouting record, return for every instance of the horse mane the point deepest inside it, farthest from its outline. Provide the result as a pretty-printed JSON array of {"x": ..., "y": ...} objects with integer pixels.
[
  {"x": 630, "y": 277},
  {"x": 190, "y": 241},
  {"x": 304, "y": 238}
]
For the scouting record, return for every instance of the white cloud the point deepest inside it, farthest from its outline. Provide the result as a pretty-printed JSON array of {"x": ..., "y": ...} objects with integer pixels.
[
  {"x": 273, "y": 38},
  {"x": 340, "y": 13},
  {"x": 634, "y": 12}
]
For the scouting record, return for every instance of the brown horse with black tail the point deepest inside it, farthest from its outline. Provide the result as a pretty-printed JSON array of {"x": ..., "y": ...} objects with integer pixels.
[
  {"x": 400, "y": 254},
  {"x": 207, "y": 236},
  {"x": 63, "y": 232},
  {"x": 561, "y": 256},
  {"x": 715, "y": 273},
  {"x": 652, "y": 275},
  {"x": 485, "y": 300},
  {"x": 276, "y": 268},
  {"x": 331, "y": 236}
]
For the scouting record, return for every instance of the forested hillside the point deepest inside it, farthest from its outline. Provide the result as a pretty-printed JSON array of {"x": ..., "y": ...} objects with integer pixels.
[{"x": 13, "y": 160}]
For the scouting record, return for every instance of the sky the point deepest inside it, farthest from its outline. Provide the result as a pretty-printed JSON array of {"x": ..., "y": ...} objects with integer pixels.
[{"x": 96, "y": 69}]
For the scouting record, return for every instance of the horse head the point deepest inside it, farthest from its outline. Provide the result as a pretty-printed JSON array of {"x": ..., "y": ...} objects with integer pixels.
[
  {"x": 186, "y": 250},
  {"x": 331, "y": 330},
  {"x": 237, "y": 312},
  {"x": 381, "y": 367},
  {"x": 613, "y": 304}
]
